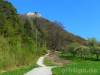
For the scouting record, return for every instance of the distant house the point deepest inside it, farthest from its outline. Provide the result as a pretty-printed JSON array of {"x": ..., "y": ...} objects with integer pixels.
[{"x": 34, "y": 14}]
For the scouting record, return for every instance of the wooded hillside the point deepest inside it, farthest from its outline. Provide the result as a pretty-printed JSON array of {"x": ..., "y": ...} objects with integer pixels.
[{"x": 22, "y": 38}]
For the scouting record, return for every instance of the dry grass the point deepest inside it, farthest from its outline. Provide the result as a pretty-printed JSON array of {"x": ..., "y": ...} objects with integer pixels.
[{"x": 55, "y": 59}]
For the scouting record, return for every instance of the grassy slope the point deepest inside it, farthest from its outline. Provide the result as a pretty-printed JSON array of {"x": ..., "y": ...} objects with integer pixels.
[{"x": 79, "y": 67}]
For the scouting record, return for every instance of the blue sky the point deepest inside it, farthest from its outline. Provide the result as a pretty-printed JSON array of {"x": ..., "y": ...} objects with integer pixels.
[{"x": 81, "y": 17}]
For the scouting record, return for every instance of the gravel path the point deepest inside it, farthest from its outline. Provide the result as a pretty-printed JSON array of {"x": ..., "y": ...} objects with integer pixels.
[{"x": 42, "y": 70}]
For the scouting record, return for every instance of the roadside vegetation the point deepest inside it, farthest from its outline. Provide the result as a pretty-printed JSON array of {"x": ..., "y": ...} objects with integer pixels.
[{"x": 22, "y": 70}]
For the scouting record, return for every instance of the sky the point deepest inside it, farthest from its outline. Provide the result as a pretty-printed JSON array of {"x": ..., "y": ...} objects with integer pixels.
[{"x": 81, "y": 17}]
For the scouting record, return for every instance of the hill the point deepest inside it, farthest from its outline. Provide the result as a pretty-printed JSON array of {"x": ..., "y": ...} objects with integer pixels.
[
  {"x": 24, "y": 37},
  {"x": 55, "y": 35}
]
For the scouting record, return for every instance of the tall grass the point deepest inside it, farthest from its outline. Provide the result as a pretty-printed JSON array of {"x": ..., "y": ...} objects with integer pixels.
[{"x": 14, "y": 53}]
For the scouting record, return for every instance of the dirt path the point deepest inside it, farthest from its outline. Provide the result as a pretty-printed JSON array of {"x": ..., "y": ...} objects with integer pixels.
[{"x": 42, "y": 70}]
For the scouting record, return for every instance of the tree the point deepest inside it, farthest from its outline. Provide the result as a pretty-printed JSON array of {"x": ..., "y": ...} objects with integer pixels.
[
  {"x": 83, "y": 51},
  {"x": 96, "y": 52},
  {"x": 72, "y": 48},
  {"x": 94, "y": 46}
]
